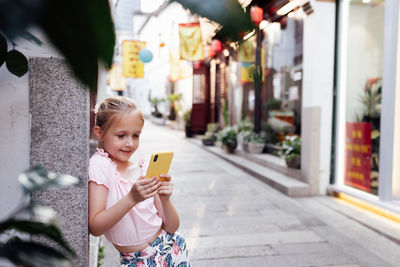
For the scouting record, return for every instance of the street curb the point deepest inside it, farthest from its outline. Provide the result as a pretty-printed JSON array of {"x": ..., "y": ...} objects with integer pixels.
[{"x": 281, "y": 182}]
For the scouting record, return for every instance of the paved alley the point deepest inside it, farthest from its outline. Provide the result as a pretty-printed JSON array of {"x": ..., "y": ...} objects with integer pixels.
[{"x": 232, "y": 219}]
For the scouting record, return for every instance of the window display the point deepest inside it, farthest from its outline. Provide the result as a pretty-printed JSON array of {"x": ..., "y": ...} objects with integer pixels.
[{"x": 361, "y": 74}]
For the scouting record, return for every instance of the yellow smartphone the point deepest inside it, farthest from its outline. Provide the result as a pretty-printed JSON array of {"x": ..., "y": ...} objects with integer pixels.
[{"x": 159, "y": 164}]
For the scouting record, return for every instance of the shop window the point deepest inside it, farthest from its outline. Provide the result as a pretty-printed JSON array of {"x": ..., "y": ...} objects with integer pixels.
[
  {"x": 361, "y": 73},
  {"x": 282, "y": 88}
]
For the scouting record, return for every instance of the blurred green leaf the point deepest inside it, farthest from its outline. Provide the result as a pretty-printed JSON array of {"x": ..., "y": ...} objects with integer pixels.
[
  {"x": 85, "y": 38},
  {"x": 28, "y": 253},
  {"x": 36, "y": 229},
  {"x": 38, "y": 178},
  {"x": 228, "y": 13},
  {"x": 30, "y": 37},
  {"x": 3, "y": 49},
  {"x": 16, "y": 63}
]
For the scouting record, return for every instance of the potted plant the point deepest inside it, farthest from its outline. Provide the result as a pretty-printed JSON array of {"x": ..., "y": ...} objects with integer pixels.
[
  {"x": 187, "y": 116},
  {"x": 242, "y": 127},
  {"x": 173, "y": 105},
  {"x": 211, "y": 135},
  {"x": 155, "y": 101},
  {"x": 257, "y": 142},
  {"x": 227, "y": 136},
  {"x": 245, "y": 137},
  {"x": 291, "y": 150}
]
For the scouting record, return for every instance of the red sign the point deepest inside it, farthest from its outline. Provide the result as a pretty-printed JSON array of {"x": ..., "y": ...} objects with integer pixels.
[{"x": 357, "y": 172}]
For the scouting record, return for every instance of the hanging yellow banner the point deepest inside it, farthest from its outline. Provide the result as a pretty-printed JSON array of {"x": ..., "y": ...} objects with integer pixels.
[
  {"x": 131, "y": 64},
  {"x": 116, "y": 80},
  {"x": 246, "y": 51},
  {"x": 179, "y": 69},
  {"x": 191, "y": 46},
  {"x": 247, "y": 73}
]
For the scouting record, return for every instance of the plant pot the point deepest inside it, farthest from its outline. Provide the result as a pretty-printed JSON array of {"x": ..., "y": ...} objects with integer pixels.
[
  {"x": 188, "y": 131},
  {"x": 208, "y": 142},
  {"x": 230, "y": 147},
  {"x": 245, "y": 146},
  {"x": 256, "y": 147},
  {"x": 294, "y": 162}
]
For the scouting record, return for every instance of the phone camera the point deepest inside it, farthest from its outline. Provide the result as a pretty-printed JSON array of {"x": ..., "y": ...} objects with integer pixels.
[{"x": 155, "y": 158}]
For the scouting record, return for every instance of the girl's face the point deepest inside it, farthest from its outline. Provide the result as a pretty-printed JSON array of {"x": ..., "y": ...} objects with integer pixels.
[{"x": 122, "y": 138}]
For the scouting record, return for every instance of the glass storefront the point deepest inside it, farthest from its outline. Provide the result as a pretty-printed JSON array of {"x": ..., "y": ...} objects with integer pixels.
[
  {"x": 283, "y": 46},
  {"x": 361, "y": 56}
]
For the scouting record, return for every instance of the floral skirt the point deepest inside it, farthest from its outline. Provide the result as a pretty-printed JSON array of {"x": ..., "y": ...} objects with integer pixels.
[{"x": 167, "y": 250}]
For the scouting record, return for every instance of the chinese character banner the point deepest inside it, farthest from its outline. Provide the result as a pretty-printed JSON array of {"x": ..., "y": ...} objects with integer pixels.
[
  {"x": 191, "y": 46},
  {"x": 358, "y": 155},
  {"x": 131, "y": 64}
]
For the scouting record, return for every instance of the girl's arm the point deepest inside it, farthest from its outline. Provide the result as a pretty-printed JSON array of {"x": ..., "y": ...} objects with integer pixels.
[
  {"x": 165, "y": 207},
  {"x": 102, "y": 219}
]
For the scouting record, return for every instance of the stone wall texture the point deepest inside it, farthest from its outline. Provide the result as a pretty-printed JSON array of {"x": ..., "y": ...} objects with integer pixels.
[{"x": 59, "y": 107}]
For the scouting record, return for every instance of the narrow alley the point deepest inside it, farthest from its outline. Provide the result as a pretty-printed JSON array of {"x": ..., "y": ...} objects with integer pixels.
[{"x": 230, "y": 218}]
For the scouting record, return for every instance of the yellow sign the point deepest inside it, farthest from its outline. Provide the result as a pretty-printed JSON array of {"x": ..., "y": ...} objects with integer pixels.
[
  {"x": 191, "y": 46},
  {"x": 247, "y": 73},
  {"x": 246, "y": 50},
  {"x": 116, "y": 80},
  {"x": 179, "y": 69},
  {"x": 131, "y": 64}
]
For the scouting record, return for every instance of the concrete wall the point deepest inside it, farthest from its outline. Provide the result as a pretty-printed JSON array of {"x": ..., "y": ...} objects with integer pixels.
[
  {"x": 59, "y": 107},
  {"x": 318, "y": 59}
]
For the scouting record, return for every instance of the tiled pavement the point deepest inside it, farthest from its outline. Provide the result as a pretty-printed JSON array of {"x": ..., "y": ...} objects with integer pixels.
[{"x": 229, "y": 218}]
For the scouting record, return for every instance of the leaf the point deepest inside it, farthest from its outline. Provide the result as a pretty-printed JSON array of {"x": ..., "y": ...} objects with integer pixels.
[
  {"x": 16, "y": 63},
  {"x": 30, "y": 37},
  {"x": 3, "y": 49},
  {"x": 28, "y": 253},
  {"x": 85, "y": 39},
  {"x": 38, "y": 229},
  {"x": 227, "y": 13},
  {"x": 37, "y": 178}
]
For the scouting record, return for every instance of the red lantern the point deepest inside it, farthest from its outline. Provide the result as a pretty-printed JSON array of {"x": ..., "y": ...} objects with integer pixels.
[
  {"x": 216, "y": 45},
  {"x": 210, "y": 51},
  {"x": 256, "y": 14}
]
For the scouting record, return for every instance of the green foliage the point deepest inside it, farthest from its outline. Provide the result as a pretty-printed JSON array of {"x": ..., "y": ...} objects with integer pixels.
[
  {"x": 291, "y": 147},
  {"x": 212, "y": 127},
  {"x": 227, "y": 135},
  {"x": 187, "y": 117},
  {"x": 100, "y": 256},
  {"x": 155, "y": 101},
  {"x": 16, "y": 63},
  {"x": 174, "y": 105},
  {"x": 32, "y": 253},
  {"x": 84, "y": 38},
  {"x": 372, "y": 98},
  {"x": 245, "y": 125},
  {"x": 258, "y": 138},
  {"x": 172, "y": 98},
  {"x": 228, "y": 13},
  {"x": 252, "y": 137},
  {"x": 225, "y": 113}
]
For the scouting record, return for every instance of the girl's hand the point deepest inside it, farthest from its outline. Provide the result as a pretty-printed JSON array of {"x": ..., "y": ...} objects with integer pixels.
[
  {"x": 166, "y": 188},
  {"x": 144, "y": 189}
]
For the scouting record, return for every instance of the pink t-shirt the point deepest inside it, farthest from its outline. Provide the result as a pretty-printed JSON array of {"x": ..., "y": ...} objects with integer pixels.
[{"x": 142, "y": 222}]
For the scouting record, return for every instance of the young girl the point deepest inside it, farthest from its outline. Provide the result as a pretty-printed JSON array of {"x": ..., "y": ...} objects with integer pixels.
[{"x": 135, "y": 214}]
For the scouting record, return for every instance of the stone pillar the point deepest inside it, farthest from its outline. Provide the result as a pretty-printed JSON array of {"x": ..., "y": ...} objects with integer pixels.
[
  {"x": 59, "y": 107},
  {"x": 310, "y": 147}
]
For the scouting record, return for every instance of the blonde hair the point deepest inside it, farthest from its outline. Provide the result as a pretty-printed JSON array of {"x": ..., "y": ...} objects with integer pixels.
[{"x": 112, "y": 108}]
